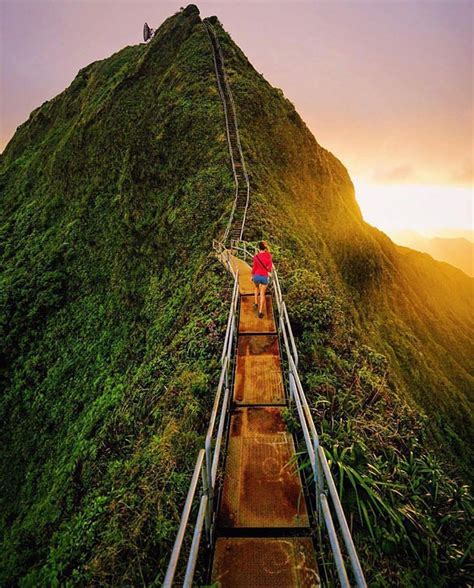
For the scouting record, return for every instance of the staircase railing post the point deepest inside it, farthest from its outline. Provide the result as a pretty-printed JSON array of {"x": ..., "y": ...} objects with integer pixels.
[
  {"x": 208, "y": 515},
  {"x": 292, "y": 386},
  {"x": 318, "y": 480}
]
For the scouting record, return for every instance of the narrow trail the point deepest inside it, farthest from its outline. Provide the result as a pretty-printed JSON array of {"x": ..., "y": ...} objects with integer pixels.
[{"x": 263, "y": 502}]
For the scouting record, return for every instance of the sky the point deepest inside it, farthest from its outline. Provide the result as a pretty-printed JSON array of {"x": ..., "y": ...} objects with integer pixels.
[{"x": 386, "y": 85}]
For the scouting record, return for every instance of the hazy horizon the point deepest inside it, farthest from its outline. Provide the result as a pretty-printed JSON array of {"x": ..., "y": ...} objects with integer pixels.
[
  {"x": 386, "y": 86},
  {"x": 438, "y": 232}
]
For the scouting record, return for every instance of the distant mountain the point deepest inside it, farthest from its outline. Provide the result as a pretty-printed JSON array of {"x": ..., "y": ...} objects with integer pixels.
[
  {"x": 456, "y": 251},
  {"x": 450, "y": 233}
]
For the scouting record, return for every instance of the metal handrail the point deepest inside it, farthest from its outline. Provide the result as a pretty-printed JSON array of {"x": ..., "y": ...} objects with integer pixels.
[
  {"x": 237, "y": 132},
  {"x": 323, "y": 480},
  {"x": 214, "y": 40},
  {"x": 184, "y": 521},
  {"x": 208, "y": 457}
]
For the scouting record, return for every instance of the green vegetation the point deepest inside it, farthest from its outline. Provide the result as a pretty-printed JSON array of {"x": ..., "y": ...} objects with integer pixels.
[
  {"x": 113, "y": 310},
  {"x": 410, "y": 515}
]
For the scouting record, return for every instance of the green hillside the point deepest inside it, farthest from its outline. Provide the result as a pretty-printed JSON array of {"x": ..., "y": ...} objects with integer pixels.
[{"x": 113, "y": 310}]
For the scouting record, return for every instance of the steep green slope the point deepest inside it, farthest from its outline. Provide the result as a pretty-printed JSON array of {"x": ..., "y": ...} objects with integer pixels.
[
  {"x": 386, "y": 338},
  {"x": 304, "y": 200},
  {"x": 113, "y": 311}
]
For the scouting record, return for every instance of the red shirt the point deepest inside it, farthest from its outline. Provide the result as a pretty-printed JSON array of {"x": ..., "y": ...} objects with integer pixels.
[{"x": 262, "y": 264}]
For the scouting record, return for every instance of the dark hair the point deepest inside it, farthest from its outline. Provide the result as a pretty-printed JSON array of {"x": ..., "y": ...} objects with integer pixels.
[{"x": 262, "y": 245}]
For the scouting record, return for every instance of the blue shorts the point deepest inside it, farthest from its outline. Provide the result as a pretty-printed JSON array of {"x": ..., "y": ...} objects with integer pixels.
[{"x": 256, "y": 279}]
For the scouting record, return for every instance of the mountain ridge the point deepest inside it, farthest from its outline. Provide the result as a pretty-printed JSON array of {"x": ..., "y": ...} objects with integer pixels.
[{"x": 457, "y": 251}]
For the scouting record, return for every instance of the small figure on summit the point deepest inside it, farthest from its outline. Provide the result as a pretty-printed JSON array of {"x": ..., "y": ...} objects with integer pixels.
[{"x": 262, "y": 266}]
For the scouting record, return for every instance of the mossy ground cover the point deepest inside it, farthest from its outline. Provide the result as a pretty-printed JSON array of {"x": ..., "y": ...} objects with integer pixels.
[{"x": 409, "y": 510}]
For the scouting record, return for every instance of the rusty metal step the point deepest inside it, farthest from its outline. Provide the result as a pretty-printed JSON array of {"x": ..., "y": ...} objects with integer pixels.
[
  {"x": 258, "y": 376},
  {"x": 265, "y": 563},
  {"x": 245, "y": 282},
  {"x": 262, "y": 486},
  {"x": 249, "y": 321}
]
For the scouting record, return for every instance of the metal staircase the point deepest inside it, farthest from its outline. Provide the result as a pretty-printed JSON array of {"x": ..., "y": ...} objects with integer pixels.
[
  {"x": 236, "y": 223},
  {"x": 255, "y": 520}
]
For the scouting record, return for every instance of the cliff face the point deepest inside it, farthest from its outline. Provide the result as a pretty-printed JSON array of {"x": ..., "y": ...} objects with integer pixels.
[{"x": 113, "y": 311}]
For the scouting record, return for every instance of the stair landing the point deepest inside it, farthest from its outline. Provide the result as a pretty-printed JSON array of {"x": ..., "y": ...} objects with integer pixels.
[
  {"x": 249, "y": 322},
  {"x": 258, "y": 376}
]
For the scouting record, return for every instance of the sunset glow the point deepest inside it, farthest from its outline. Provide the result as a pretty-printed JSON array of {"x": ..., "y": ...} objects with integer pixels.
[{"x": 418, "y": 207}]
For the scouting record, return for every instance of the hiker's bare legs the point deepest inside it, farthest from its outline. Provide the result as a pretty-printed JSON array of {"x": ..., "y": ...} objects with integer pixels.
[
  {"x": 263, "y": 289},
  {"x": 256, "y": 295}
]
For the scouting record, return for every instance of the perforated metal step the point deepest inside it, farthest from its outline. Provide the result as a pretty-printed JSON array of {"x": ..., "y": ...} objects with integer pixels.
[
  {"x": 262, "y": 486},
  {"x": 265, "y": 563},
  {"x": 258, "y": 378}
]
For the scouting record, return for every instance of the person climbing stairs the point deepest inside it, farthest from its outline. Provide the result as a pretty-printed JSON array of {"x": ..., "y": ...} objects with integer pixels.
[{"x": 262, "y": 502}]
